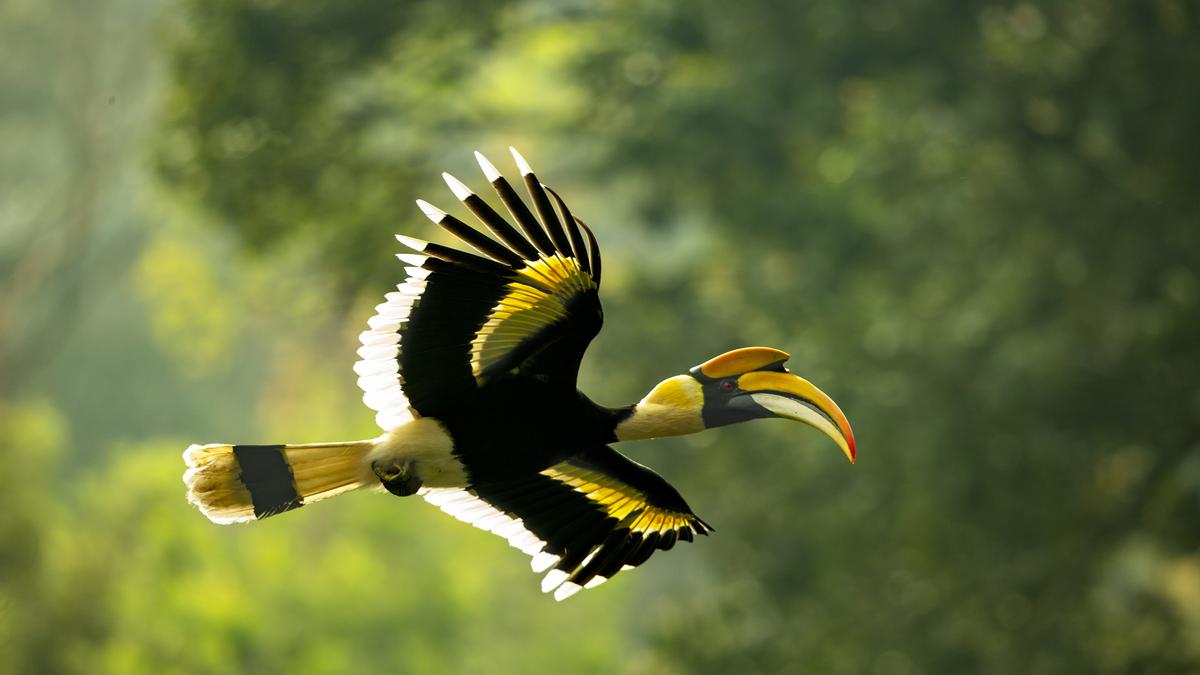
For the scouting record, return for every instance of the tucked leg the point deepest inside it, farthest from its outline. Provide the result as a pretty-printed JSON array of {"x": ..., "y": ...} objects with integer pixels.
[{"x": 399, "y": 477}]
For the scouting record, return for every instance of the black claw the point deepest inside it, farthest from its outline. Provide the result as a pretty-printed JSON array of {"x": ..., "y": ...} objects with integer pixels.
[{"x": 399, "y": 479}]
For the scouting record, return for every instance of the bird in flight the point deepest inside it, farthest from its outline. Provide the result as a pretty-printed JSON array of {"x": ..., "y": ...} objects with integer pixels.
[{"x": 471, "y": 367}]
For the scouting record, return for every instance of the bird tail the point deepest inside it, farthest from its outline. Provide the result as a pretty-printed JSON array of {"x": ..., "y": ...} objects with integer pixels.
[{"x": 238, "y": 483}]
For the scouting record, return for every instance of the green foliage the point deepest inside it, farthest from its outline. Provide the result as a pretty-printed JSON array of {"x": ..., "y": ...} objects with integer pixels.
[{"x": 973, "y": 224}]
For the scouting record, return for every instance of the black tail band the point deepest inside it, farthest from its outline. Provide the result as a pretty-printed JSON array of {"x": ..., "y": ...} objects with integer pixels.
[{"x": 268, "y": 478}]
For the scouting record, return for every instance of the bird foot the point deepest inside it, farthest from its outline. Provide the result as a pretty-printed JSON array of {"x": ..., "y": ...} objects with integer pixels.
[{"x": 400, "y": 478}]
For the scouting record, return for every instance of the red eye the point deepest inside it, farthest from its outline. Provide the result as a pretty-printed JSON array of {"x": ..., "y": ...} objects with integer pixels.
[{"x": 727, "y": 386}]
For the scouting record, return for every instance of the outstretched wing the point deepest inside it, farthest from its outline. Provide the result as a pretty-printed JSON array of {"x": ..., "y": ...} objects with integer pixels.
[
  {"x": 528, "y": 306},
  {"x": 583, "y": 519}
]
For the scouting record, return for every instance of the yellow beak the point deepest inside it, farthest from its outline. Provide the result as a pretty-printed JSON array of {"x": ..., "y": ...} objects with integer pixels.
[{"x": 792, "y": 397}]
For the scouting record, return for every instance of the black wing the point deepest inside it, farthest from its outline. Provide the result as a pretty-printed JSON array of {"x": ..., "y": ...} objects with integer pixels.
[
  {"x": 528, "y": 306},
  {"x": 583, "y": 519}
]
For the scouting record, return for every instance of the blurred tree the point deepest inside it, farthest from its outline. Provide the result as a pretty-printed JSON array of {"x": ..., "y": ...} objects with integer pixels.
[
  {"x": 69, "y": 116},
  {"x": 303, "y": 107},
  {"x": 974, "y": 223}
]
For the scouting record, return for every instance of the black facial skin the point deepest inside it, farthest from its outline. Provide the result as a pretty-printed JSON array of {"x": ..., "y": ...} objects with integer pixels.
[{"x": 725, "y": 403}]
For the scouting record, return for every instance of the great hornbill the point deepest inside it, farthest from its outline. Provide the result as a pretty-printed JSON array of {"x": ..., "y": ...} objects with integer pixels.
[{"x": 471, "y": 366}]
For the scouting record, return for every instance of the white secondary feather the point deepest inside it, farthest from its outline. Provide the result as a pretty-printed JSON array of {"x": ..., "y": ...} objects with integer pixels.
[
  {"x": 469, "y": 508},
  {"x": 553, "y": 580},
  {"x": 543, "y": 561},
  {"x": 506, "y": 530},
  {"x": 369, "y": 367},
  {"x": 379, "y": 367},
  {"x": 567, "y": 590}
]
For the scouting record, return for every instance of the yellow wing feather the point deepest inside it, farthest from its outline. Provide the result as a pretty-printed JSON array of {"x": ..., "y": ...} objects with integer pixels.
[
  {"x": 537, "y": 300},
  {"x": 620, "y": 501}
]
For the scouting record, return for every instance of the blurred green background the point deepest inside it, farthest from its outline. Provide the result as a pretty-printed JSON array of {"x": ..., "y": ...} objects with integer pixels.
[{"x": 974, "y": 224}]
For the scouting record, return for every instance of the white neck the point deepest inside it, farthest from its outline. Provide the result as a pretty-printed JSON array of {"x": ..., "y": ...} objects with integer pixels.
[
  {"x": 671, "y": 409},
  {"x": 655, "y": 421}
]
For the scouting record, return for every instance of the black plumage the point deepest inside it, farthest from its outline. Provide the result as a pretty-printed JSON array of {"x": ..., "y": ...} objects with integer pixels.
[
  {"x": 471, "y": 366},
  {"x": 518, "y": 417}
]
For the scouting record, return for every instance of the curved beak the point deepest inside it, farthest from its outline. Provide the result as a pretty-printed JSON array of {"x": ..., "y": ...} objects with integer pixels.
[{"x": 792, "y": 397}]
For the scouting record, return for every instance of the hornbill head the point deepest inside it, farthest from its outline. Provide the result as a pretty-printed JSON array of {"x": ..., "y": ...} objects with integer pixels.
[{"x": 744, "y": 384}]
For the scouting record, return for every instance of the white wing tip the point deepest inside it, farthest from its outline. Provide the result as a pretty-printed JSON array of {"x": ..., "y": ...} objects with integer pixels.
[
  {"x": 542, "y": 562},
  {"x": 567, "y": 590},
  {"x": 431, "y": 212},
  {"x": 457, "y": 187},
  {"x": 414, "y": 244},
  {"x": 522, "y": 165},
  {"x": 489, "y": 170},
  {"x": 553, "y": 579},
  {"x": 411, "y": 259}
]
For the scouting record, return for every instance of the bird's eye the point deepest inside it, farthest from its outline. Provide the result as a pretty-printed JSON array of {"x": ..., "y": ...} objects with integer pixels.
[{"x": 727, "y": 386}]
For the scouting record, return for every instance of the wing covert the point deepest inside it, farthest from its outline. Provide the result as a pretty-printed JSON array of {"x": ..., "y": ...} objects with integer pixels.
[{"x": 526, "y": 305}]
